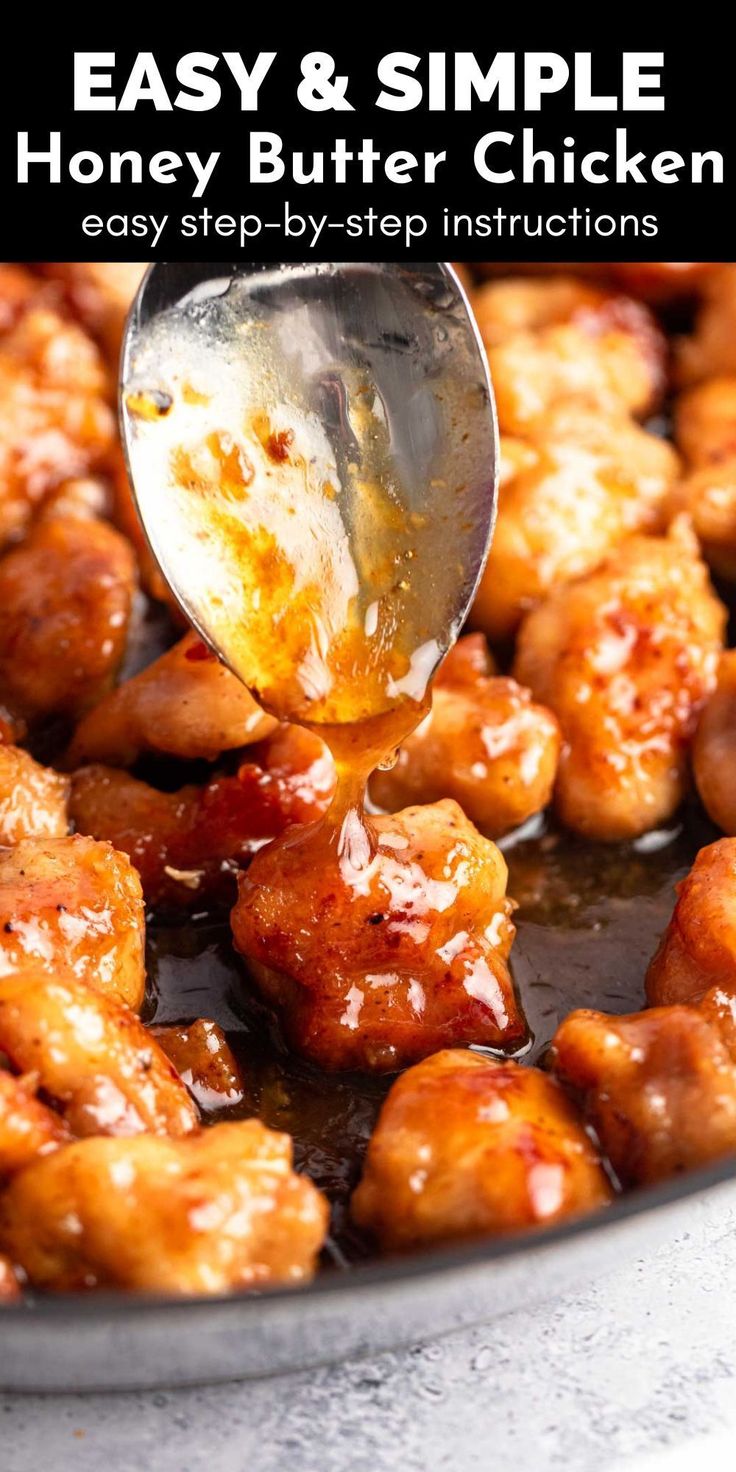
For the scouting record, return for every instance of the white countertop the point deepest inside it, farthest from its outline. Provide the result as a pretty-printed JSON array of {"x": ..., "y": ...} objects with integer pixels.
[{"x": 637, "y": 1371}]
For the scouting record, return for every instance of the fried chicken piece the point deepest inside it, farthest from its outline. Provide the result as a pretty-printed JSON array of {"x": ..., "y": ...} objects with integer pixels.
[
  {"x": 204, "y": 1061},
  {"x": 378, "y": 944},
  {"x": 659, "y": 1088},
  {"x": 186, "y": 704},
  {"x": 698, "y": 948},
  {"x": 86, "y": 498},
  {"x": 100, "y": 294},
  {"x": 714, "y": 748},
  {"x": 611, "y": 358},
  {"x": 705, "y": 427},
  {"x": 54, "y": 420},
  {"x": 187, "y": 845},
  {"x": 33, "y": 799},
  {"x": 530, "y": 303},
  {"x": 467, "y": 1147},
  {"x": 221, "y": 1210},
  {"x": 711, "y": 348},
  {"x": 65, "y": 603},
  {"x": 484, "y": 743},
  {"x": 705, "y": 422},
  {"x": 626, "y": 658},
  {"x": 27, "y": 1127},
  {"x": 565, "y": 501},
  {"x": 92, "y": 1056},
  {"x": 70, "y": 905}
]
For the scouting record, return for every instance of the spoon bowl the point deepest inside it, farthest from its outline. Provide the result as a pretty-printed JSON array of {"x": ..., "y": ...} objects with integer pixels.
[{"x": 312, "y": 450}]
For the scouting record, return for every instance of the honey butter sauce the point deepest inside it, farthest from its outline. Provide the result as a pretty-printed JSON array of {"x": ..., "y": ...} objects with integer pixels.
[{"x": 323, "y": 531}]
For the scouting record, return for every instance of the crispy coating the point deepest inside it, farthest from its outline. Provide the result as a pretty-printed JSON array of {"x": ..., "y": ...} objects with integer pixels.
[
  {"x": 659, "y": 1088},
  {"x": 698, "y": 948},
  {"x": 466, "y": 1146},
  {"x": 92, "y": 1056},
  {"x": 73, "y": 905},
  {"x": 705, "y": 428},
  {"x": 65, "y": 603},
  {"x": 100, "y": 294},
  {"x": 27, "y": 1126},
  {"x": 611, "y": 358},
  {"x": 528, "y": 304},
  {"x": 711, "y": 348},
  {"x": 565, "y": 500},
  {"x": 33, "y": 799},
  {"x": 186, "y": 704},
  {"x": 626, "y": 658},
  {"x": 379, "y": 944},
  {"x": 54, "y": 420},
  {"x": 218, "y": 1211},
  {"x": 187, "y": 845},
  {"x": 714, "y": 748},
  {"x": 705, "y": 421},
  {"x": 484, "y": 743},
  {"x": 204, "y": 1061}
]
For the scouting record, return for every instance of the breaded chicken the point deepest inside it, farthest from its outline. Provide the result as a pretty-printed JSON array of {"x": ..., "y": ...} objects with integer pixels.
[
  {"x": 626, "y": 658},
  {"x": 66, "y": 597},
  {"x": 567, "y": 497},
  {"x": 379, "y": 943},
  {"x": 92, "y": 1056},
  {"x": 186, "y": 704},
  {"x": 466, "y": 1146},
  {"x": 218, "y": 1211},
  {"x": 73, "y": 906},
  {"x": 658, "y": 1087},
  {"x": 484, "y": 743}
]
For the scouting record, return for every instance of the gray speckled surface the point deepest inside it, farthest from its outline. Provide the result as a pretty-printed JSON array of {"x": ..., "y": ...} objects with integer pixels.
[{"x": 640, "y": 1363}]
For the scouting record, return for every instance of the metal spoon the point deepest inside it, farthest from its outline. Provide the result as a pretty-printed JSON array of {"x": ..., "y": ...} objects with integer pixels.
[{"x": 312, "y": 450}]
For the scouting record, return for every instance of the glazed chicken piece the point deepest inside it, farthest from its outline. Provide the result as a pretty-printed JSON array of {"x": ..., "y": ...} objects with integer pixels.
[
  {"x": 714, "y": 749},
  {"x": 626, "y": 658},
  {"x": 187, "y": 845},
  {"x": 100, "y": 294},
  {"x": 529, "y": 304},
  {"x": 186, "y": 704},
  {"x": 609, "y": 355},
  {"x": 711, "y": 349},
  {"x": 658, "y": 1087},
  {"x": 204, "y": 1061},
  {"x": 698, "y": 948},
  {"x": 484, "y": 743},
  {"x": 92, "y": 1056},
  {"x": 33, "y": 799},
  {"x": 70, "y": 905},
  {"x": 27, "y": 1126},
  {"x": 65, "y": 602},
  {"x": 705, "y": 422},
  {"x": 54, "y": 420},
  {"x": 379, "y": 944},
  {"x": 466, "y": 1147},
  {"x": 565, "y": 501},
  {"x": 705, "y": 426},
  {"x": 221, "y": 1210}
]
